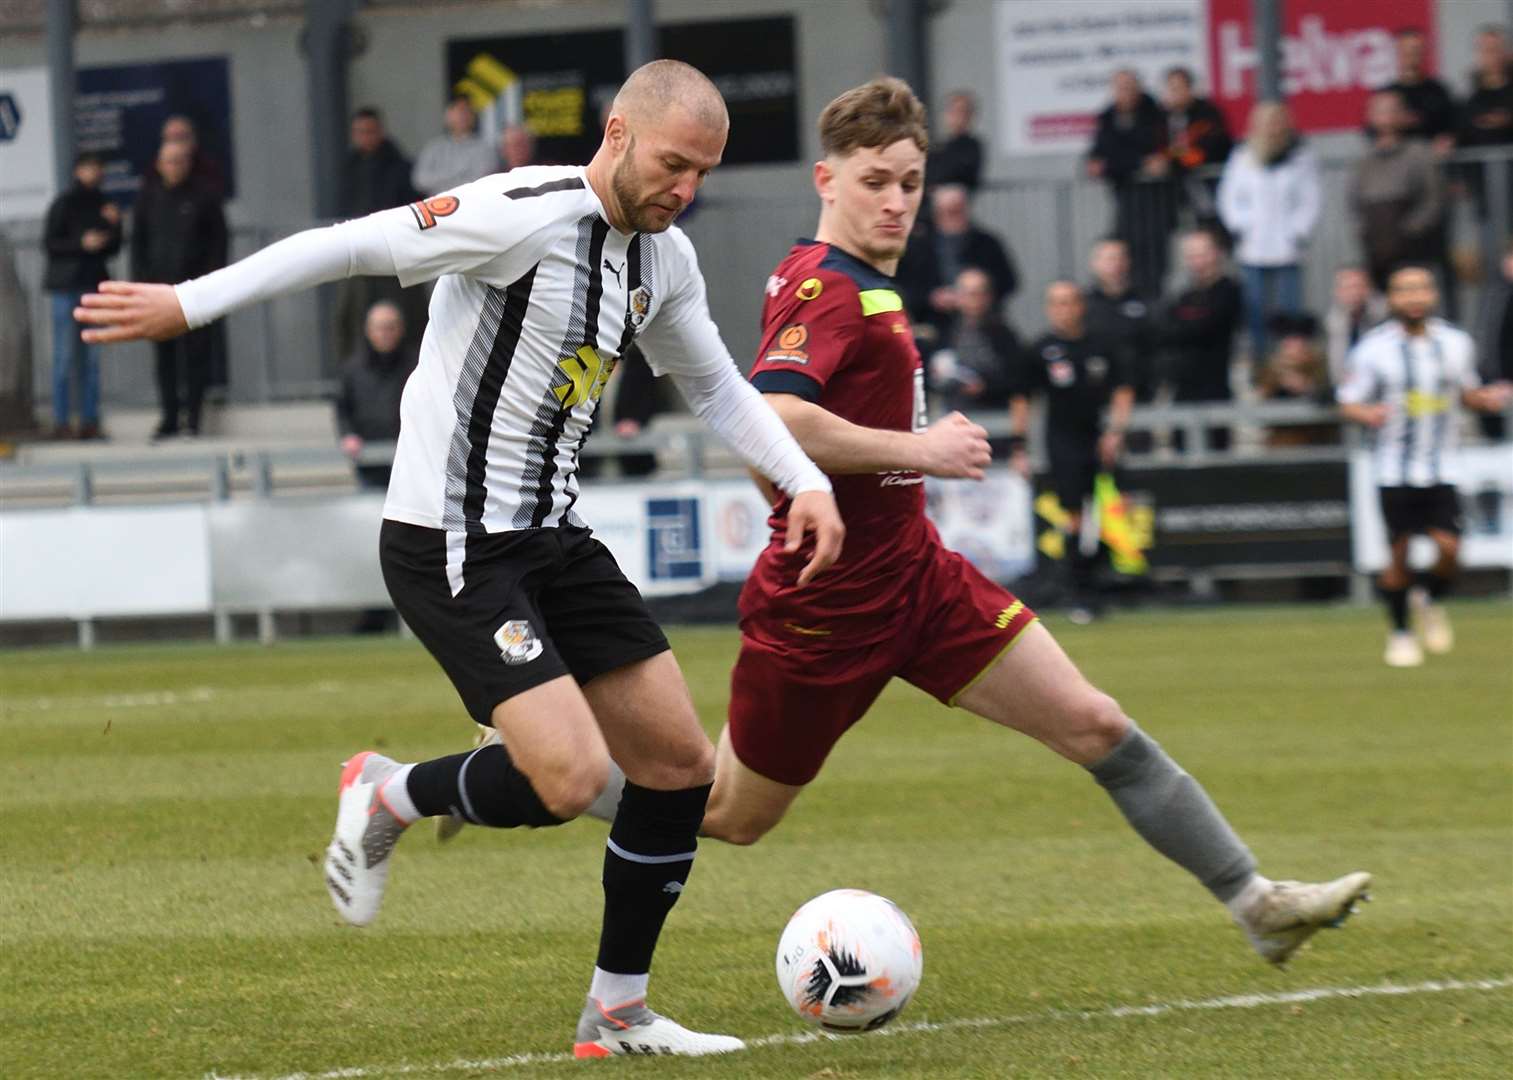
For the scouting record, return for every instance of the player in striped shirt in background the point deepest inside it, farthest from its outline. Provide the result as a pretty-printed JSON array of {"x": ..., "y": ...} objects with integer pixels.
[{"x": 1407, "y": 381}]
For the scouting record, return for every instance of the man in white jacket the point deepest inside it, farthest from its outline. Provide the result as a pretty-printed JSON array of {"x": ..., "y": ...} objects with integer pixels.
[{"x": 1269, "y": 199}]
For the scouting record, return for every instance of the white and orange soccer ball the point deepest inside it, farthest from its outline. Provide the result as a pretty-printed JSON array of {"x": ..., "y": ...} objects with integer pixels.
[{"x": 849, "y": 961}]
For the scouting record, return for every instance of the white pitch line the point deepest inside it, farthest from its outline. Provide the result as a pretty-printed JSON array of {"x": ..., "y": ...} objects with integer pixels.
[{"x": 1120, "y": 1012}]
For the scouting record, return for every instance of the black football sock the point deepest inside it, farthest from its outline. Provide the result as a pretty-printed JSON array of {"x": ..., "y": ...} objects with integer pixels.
[
  {"x": 482, "y": 787},
  {"x": 646, "y": 863},
  {"x": 1436, "y": 585},
  {"x": 1397, "y": 607}
]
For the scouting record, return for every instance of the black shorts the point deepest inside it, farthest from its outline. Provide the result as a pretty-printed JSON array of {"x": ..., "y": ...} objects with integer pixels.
[
  {"x": 529, "y": 606},
  {"x": 1072, "y": 476},
  {"x": 1410, "y": 510}
]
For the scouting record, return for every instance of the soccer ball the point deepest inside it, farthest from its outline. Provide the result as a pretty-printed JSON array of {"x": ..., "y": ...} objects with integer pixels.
[{"x": 849, "y": 961}]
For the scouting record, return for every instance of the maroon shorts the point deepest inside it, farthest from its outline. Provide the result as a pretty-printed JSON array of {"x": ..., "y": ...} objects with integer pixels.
[{"x": 791, "y": 702}]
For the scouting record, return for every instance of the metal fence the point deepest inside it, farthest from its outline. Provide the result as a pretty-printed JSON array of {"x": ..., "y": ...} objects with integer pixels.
[{"x": 279, "y": 351}]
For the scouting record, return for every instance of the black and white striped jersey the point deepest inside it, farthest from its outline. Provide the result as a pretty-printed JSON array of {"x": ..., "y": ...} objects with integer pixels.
[
  {"x": 1421, "y": 379},
  {"x": 536, "y": 300}
]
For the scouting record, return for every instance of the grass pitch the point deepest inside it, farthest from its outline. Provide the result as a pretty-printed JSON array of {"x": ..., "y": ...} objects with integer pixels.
[{"x": 162, "y": 813}]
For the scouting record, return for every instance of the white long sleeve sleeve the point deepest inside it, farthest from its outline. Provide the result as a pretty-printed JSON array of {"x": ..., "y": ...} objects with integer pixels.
[
  {"x": 308, "y": 258},
  {"x": 735, "y": 411}
]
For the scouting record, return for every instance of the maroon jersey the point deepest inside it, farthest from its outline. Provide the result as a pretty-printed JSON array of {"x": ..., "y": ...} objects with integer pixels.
[{"x": 834, "y": 333}]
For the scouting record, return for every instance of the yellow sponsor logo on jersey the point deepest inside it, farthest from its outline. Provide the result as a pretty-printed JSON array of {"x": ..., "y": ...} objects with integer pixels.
[
  {"x": 807, "y": 631},
  {"x": 585, "y": 373},
  {"x": 809, "y": 288},
  {"x": 1006, "y": 616},
  {"x": 1418, "y": 403}
]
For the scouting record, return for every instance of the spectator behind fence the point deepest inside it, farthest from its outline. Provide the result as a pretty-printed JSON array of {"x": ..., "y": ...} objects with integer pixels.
[
  {"x": 1487, "y": 118},
  {"x": 958, "y": 159},
  {"x": 979, "y": 356},
  {"x": 1494, "y": 338},
  {"x": 1297, "y": 371},
  {"x": 1429, "y": 109},
  {"x": 457, "y": 156},
  {"x": 377, "y": 174},
  {"x": 1129, "y": 152},
  {"x": 940, "y": 249},
  {"x": 376, "y": 177},
  {"x": 1197, "y": 137},
  {"x": 372, "y": 382},
  {"x": 1269, "y": 200},
  {"x": 178, "y": 232},
  {"x": 1355, "y": 309},
  {"x": 83, "y": 229},
  {"x": 204, "y": 169},
  {"x": 1116, "y": 312},
  {"x": 517, "y": 147},
  {"x": 1198, "y": 329},
  {"x": 1397, "y": 194}
]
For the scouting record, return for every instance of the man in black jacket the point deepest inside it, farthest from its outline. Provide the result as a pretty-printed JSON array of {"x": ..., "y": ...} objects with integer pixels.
[
  {"x": 372, "y": 384},
  {"x": 976, "y": 366},
  {"x": 1197, "y": 138},
  {"x": 178, "y": 233},
  {"x": 958, "y": 159},
  {"x": 1130, "y": 153},
  {"x": 1198, "y": 329},
  {"x": 1116, "y": 312},
  {"x": 939, "y": 250},
  {"x": 376, "y": 177},
  {"x": 83, "y": 230}
]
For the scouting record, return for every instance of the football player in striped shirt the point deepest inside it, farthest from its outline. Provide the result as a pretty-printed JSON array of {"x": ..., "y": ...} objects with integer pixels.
[
  {"x": 546, "y": 275},
  {"x": 1407, "y": 381}
]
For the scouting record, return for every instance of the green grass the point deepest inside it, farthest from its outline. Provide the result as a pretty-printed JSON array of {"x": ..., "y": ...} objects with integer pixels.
[{"x": 161, "y": 913}]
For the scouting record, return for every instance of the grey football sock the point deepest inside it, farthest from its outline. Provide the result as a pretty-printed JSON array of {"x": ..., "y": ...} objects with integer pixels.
[
  {"x": 608, "y": 802},
  {"x": 1174, "y": 814}
]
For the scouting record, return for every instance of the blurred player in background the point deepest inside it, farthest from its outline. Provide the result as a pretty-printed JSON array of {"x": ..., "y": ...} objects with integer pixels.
[
  {"x": 1407, "y": 380},
  {"x": 546, "y": 277}
]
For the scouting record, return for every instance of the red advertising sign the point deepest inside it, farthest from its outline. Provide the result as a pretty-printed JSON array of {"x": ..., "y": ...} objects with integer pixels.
[{"x": 1334, "y": 53}]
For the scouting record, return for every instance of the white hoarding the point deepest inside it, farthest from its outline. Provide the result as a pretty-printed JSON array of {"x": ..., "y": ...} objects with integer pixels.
[
  {"x": 26, "y": 144},
  {"x": 1055, "y": 58}
]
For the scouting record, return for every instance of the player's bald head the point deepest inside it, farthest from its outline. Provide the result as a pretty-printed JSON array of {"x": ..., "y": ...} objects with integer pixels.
[{"x": 662, "y": 85}]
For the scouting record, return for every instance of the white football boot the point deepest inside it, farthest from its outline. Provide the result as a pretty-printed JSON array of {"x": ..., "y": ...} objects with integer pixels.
[
  {"x": 357, "y": 860},
  {"x": 632, "y": 1028},
  {"x": 450, "y": 825},
  {"x": 1403, "y": 650},
  {"x": 1288, "y": 913},
  {"x": 1433, "y": 623}
]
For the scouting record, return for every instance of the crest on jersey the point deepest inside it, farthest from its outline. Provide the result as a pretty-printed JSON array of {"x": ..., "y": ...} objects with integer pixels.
[
  {"x": 1061, "y": 373},
  {"x": 810, "y": 288},
  {"x": 640, "y": 306},
  {"x": 517, "y": 641},
  {"x": 788, "y": 346}
]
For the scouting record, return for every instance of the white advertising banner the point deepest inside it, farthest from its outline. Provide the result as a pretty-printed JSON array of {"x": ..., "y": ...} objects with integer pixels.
[
  {"x": 657, "y": 533},
  {"x": 1055, "y": 59},
  {"x": 26, "y": 144},
  {"x": 1486, "y": 496},
  {"x": 101, "y": 561}
]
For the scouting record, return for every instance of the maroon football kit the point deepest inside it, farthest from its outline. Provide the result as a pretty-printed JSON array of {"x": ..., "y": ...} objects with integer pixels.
[{"x": 896, "y": 602}]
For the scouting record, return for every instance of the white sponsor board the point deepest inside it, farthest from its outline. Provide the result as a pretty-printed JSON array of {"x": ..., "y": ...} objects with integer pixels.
[
  {"x": 101, "y": 561},
  {"x": 1486, "y": 495},
  {"x": 26, "y": 144},
  {"x": 658, "y": 533},
  {"x": 1055, "y": 59}
]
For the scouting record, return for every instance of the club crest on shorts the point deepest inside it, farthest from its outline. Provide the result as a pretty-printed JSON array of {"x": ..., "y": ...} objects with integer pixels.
[{"x": 518, "y": 643}]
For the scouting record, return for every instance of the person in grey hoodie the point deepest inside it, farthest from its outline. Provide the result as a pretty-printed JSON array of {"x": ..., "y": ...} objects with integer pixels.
[
  {"x": 1269, "y": 201},
  {"x": 457, "y": 157},
  {"x": 1397, "y": 193}
]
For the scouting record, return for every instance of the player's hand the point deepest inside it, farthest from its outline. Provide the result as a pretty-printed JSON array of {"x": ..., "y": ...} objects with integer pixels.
[
  {"x": 814, "y": 511},
  {"x": 1110, "y": 446},
  {"x": 130, "y": 311},
  {"x": 1494, "y": 397},
  {"x": 955, "y": 448},
  {"x": 1374, "y": 416}
]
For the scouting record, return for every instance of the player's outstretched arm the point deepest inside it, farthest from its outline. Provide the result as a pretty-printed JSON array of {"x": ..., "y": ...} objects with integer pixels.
[
  {"x": 135, "y": 310},
  {"x": 1492, "y": 398},
  {"x": 951, "y": 447}
]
